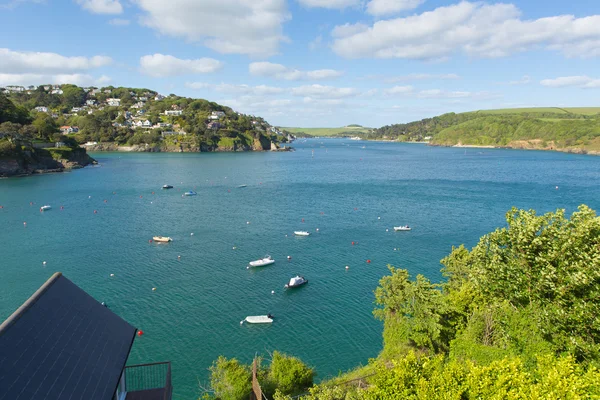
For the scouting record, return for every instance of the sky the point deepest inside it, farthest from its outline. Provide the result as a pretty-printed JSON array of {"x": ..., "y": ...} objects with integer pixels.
[{"x": 315, "y": 63}]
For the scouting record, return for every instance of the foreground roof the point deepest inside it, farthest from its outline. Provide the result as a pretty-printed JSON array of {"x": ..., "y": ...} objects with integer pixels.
[{"x": 62, "y": 344}]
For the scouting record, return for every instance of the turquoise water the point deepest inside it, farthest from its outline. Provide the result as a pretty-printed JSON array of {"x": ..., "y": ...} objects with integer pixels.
[{"x": 449, "y": 196}]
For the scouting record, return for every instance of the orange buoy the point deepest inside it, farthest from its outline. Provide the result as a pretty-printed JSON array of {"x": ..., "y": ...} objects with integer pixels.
[
  {"x": 352, "y": 243},
  {"x": 140, "y": 333},
  {"x": 368, "y": 261}
]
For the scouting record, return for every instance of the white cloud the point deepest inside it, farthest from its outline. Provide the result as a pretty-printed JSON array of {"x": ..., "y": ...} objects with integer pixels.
[
  {"x": 37, "y": 79},
  {"x": 119, "y": 22},
  {"x": 444, "y": 94},
  {"x": 278, "y": 71},
  {"x": 399, "y": 90},
  {"x": 331, "y": 4},
  {"x": 252, "y": 27},
  {"x": 316, "y": 43},
  {"x": 386, "y": 7},
  {"x": 475, "y": 29},
  {"x": 578, "y": 81},
  {"x": 260, "y": 90},
  {"x": 101, "y": 6},
  {"x": 160, "y": 65},
  {"x": 523, "y": 81},
  {"x": 324, "y": 92},
  {"x": 19, "y": 62},
  {"x": 421, "y": 76},
  {"x": 15, "y": 3}
]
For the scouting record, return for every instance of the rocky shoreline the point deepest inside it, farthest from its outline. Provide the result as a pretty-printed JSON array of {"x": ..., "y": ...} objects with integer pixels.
[
  {"x": 37, "y": 161},
  {"x": 184, "y": 148}
]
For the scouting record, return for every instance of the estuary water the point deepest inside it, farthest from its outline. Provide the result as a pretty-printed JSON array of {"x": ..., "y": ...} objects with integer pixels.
[{"x": 350, "y": 191}]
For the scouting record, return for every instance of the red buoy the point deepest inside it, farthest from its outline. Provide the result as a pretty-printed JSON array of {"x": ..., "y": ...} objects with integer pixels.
[
  {"x": 140, "y": 197},
  {"x": 352, "y": 243},
  {"x": 1, "y": 207},
  {"x": 368, "y": 261},
  {"x": 149, "y": 240},
  {"x": 152, "y": 192},
  {"x": 140, "y": 333},
  {"x": 302, "y": 219}
]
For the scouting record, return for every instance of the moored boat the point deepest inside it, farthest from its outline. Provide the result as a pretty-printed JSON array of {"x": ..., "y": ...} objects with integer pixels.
[
  {"x": 190, "y": 193},
  {"x": 266, "y": 260},
  {"x": 258, "y": 319},
  {"x": 242, "y": 186},
  {"x": 296, "y": 282},
  {"x": 301, "y": 233},
  {"x": 162, "y": 239},
  {"x": 167, "y": 187},
  {"x": 402, "y": 228},
  {"x": 45, "y": 208}
]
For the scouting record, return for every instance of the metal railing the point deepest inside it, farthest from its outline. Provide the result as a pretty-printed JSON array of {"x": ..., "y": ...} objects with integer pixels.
[{"x": 148, "y": 377}]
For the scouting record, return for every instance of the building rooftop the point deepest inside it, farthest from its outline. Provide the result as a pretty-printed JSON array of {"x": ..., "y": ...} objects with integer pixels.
[{"x": 62, "y": 344}]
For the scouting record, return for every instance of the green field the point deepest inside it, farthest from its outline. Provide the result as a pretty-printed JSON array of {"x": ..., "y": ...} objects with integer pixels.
[
  {"x": 558, "y": 110},
  {"x": 345, "y": 130}
]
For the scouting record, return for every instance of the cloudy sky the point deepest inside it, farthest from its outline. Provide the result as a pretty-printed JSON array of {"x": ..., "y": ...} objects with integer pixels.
[{"x": 314, "y": 63}]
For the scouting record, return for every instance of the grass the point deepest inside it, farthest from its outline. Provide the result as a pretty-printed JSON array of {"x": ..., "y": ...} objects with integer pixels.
[
  {"x": 559, "y": 110},
  {"x": 329, "y": 131}
]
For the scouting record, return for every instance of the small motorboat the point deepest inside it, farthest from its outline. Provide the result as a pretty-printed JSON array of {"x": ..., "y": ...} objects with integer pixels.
[
  {"x": 45, "y": 208},
  {"x": 267, "y": 260},
  {"x": 258, "y": 319},
  {"x": 167, "y": 187},
  {"x": 242, "y": 186},
  {"x": 162, "y": 239},
  {"x": 402, "y": 228},
  {"x": 301, "y": 233},
  {"x": 296, "y": 282},
  {"x": 190, "y": 193}
]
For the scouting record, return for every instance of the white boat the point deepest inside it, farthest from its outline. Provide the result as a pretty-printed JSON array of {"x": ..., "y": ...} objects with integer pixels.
[
  {"x": 296, "y": 281},
  {"x": 45, "y": 208},
  {"x": 267, "y": 260},
  {"x": 242, "y": 186},
  {"x": 167, "y": 187},
  {"x": 259, "y": 319},
  {"x": 190, "y": 193},
  {"x": 162, "y": 239},
  {"x": 301, "y": 233},
  {"x": 402, "y": 228}
]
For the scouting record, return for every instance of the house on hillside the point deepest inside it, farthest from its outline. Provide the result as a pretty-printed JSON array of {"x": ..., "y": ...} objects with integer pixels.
[
  {"x": 147, "y": 124},
  {"x": 63, "y": 344},
  {"x": 113, "y": 102},
  {"x": 90, "y": 102},
  {"x": 215, "y": 115},
  {"x": 75, "y": 110},
  {"x": 41, "y": 109},
  {"x": 174, "y": 112},
  {"x": 214, "y": 125},
  {"x": 159, "y": 97}
]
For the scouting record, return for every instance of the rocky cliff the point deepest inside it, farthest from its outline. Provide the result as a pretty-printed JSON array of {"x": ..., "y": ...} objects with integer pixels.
[{"x": 28, "y": 161}]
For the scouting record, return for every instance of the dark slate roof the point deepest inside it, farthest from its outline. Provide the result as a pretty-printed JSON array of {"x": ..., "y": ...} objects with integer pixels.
[{"x": 62, "y": 344}]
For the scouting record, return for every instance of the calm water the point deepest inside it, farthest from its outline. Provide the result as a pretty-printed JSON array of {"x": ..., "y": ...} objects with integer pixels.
[{"x": 449, "y": 196}]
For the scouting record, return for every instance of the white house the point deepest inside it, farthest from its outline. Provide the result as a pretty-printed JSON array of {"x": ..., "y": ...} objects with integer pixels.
[
  {"x": 41, "y": 109},
  {"x": 69, "y": 129},
  {"x": 76, "y": 109},
  {"x": 13, "y": 88},
  {"x": 56, "y": 91},
  {"x": 90, "y": 102},
  {"x": 113, "y": 102},
  {"x": 173, "y": 112},
  {"x": 143, "y": 99},
  {"x": 147, "y": 124},
  {"x": 159, "y": 97}
]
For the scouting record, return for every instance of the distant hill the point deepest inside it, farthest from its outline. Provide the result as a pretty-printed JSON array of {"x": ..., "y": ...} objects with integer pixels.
[
  {"x": 349, "y": 130},
  {"x": 549, "y": 128}
]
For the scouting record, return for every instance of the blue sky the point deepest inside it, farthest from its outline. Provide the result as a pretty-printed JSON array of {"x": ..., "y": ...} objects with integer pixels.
[{"x": 315, "y": 63}]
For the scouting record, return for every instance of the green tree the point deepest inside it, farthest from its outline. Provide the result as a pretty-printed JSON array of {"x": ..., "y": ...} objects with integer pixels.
[
  {"x": 289, "y": 375},
  {"x": 73, "y": 96},
  {"x": 45, "y": 126},
  {"x": 230, "y": 380}
]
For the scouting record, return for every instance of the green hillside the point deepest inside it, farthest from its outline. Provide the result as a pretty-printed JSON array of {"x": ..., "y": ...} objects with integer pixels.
[
  {"x": 564, "y": 129},
  {"x": 350, "y": 130}
]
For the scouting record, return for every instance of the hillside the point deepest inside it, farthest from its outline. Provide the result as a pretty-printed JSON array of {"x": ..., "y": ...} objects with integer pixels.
[
  {"x": 564, "y": 129},
  {"x": 349, "y": 130},
  {"x": 138, "y": 119}
]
